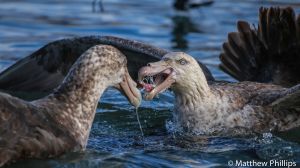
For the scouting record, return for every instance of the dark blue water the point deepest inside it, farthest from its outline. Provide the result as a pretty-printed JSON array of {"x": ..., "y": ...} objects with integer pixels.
[{"x": 115, "y": 139}]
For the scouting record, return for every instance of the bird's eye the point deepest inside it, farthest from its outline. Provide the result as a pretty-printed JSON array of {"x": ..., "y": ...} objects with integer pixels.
[{"x": 182, "y": 62}]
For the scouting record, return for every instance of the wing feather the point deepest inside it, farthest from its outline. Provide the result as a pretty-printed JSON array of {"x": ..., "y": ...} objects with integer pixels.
[{"x": 44, "y": 69}]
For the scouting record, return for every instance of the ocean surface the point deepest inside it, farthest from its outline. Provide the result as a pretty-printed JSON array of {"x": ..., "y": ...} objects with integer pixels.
[{"x": 115, "y": 140}]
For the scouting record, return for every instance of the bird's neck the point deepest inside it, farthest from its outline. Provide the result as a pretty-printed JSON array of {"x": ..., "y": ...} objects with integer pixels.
[
  {"x": 193, "y": 103},
  {"x": 73, "y": 104},
  {"x": 193, "y": 95}
]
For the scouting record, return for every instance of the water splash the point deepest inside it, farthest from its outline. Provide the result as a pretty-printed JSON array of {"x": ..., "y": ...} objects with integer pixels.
[{"x": 273, "y": 147}]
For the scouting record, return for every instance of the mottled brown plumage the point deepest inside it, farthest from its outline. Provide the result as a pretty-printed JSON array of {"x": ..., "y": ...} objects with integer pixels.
[
  {"x": 222, "y": 108},
  {"x": 61, "y": 121}
]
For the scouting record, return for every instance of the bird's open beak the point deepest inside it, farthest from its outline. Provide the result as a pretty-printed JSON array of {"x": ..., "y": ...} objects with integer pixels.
[
  {"x": 155, "y": 78},
  {"x": 128, "y": 88}
]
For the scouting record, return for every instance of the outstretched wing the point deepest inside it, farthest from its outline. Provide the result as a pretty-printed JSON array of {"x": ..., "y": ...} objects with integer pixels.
[
  {"x": 269, "y": 54},
  {"x": 44, "y": 69}
]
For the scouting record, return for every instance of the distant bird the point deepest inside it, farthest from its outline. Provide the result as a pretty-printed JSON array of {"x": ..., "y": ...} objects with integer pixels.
[
  {"x": 268, "y": 54},
  {"x": 190, "y": 4},
  {"x": 100, "y": 5}
]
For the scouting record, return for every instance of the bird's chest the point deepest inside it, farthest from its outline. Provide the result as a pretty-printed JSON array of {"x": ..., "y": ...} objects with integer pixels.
[
  {"x": 216, "y": 118},
  {"x": 201, "y": 119}
]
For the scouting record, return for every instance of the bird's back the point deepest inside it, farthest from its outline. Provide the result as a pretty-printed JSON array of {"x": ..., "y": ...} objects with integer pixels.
[
  {"x": 249, "y": 104},
  {"x": 26, "y": 131},
  {"x": 246, "y": 92}
]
